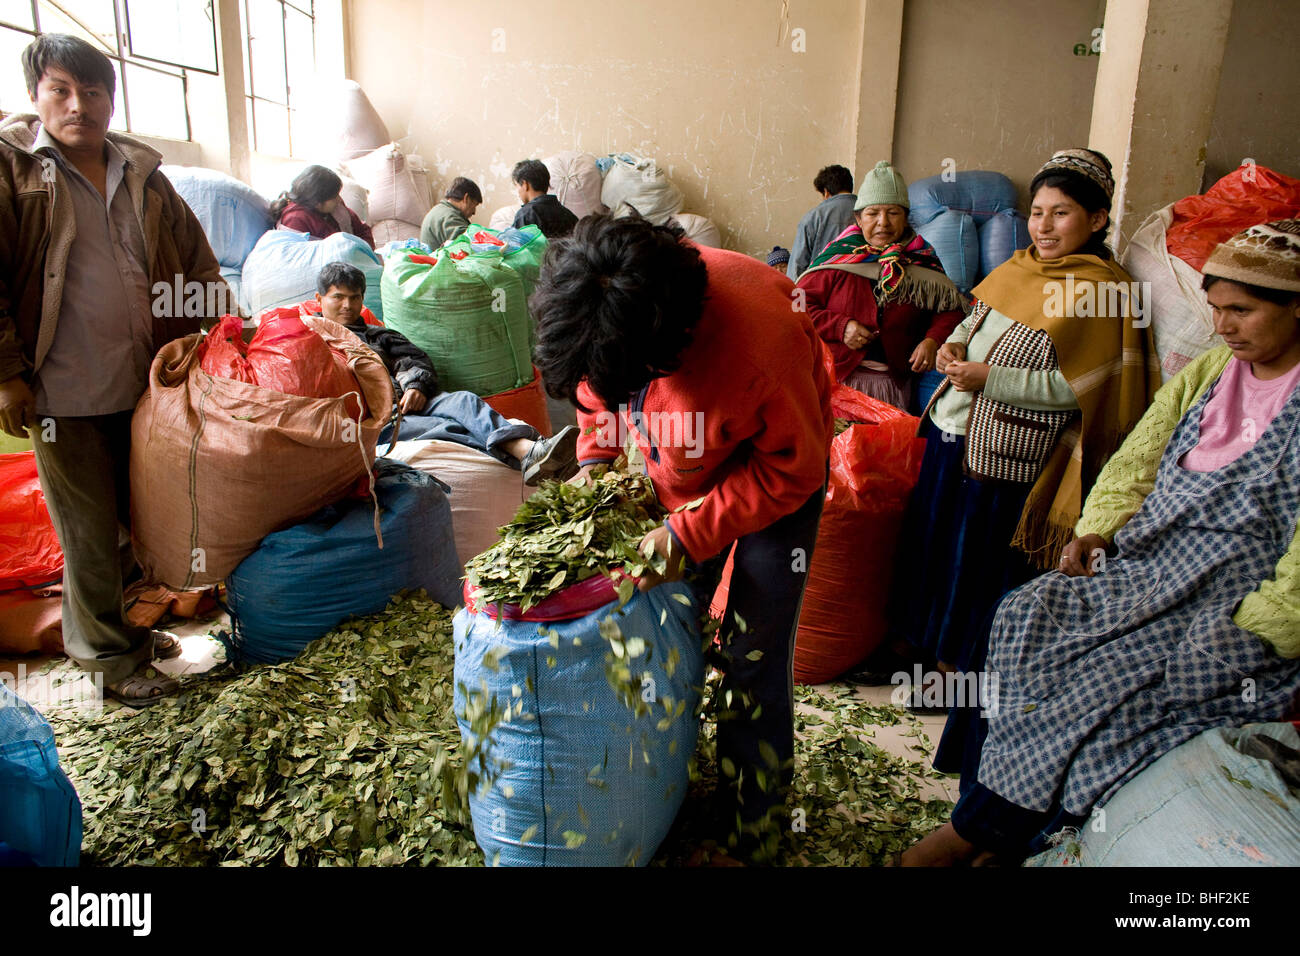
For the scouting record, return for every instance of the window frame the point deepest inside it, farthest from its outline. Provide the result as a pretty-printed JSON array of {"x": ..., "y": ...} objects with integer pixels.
[{"x": 251, "y": 95}]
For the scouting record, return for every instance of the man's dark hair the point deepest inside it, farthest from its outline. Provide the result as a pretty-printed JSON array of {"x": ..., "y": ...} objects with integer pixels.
[
  {"x": 461, "y": 187},
  {"x": 616, "y": 304},
  {"x": 85, "y": 63},
  {"x": 1275, "y": 296},
  {"x": 342, "y": 275},
  {"x": 834, "y": 180},
  {"x": 534, "y": 173}
]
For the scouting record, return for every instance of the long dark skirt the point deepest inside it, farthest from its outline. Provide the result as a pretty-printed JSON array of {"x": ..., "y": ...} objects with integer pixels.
[{"x": 954, "y": 566}]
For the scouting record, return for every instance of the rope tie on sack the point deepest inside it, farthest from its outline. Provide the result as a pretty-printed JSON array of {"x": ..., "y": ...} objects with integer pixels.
[{"x": 370, "y": 471}]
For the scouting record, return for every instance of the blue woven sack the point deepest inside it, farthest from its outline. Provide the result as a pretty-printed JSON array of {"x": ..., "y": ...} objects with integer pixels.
[
  {"x": 587, "y": 783},
  {"x": 40, "y": 815},
  {"x": 302, "y": 581}
]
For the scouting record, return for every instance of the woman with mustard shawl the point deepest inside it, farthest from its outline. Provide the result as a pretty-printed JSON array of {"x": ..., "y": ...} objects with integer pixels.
[{"x": 1044, "y": 378}]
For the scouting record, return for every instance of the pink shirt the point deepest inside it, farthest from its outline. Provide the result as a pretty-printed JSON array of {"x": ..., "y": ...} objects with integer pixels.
[{"x": 1237, "y": 414}]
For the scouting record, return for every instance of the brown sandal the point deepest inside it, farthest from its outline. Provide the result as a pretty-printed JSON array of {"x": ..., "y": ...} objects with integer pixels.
[{"x": 143, "y": 688}]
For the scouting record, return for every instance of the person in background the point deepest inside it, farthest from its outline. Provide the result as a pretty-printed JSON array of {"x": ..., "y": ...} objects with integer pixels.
[
  {"x": 778, "y": 258},
  {"x": 532, "y": 180},
  {"x": 1042, "y": 386},
  {"x": 428, "y": 414},
  {"x": 632, "y": 316},
  {"x": 824, "y": 221},
  {"x": 450, "y": 217},
  {"x": 1181, "y": 589},
  {"x": 879, "y": 297},
  {"x": 314, "y": 205},
  {"x": 88, "y": 224}
]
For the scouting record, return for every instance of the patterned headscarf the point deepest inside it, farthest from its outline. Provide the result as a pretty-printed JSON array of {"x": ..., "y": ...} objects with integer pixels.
[
  {"x": 851, "y": 248},
  {"x": 1088, "y": 163}
]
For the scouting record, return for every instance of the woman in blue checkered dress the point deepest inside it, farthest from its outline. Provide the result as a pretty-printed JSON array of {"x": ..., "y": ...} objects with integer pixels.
[{"x": 1177, "y": 609}]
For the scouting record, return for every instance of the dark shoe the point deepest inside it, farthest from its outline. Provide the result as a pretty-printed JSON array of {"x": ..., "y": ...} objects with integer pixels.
[
  {"x": 166, "y": 646},
  {"x": 555, "y": 457},
  {"x": 143, "y": 688}
]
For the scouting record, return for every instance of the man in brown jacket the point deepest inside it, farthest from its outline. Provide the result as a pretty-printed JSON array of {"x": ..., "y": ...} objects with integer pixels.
[{"x": 90, "y": 230}]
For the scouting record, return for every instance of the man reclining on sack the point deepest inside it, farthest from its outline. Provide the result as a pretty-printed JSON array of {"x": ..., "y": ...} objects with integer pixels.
[{"x": 460, "y": 417}]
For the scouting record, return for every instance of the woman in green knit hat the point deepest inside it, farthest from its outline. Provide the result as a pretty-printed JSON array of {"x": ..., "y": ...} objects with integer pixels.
[{"x": 878, "y": 295}]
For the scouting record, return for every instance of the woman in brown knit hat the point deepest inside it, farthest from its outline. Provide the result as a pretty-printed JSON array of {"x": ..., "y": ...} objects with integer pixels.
[{"x": 1180, "y": 593}]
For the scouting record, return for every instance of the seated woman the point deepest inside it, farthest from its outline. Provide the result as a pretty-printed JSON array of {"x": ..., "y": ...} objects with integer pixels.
[
  {"x": 1177, "y": 608},
  {"x": 427, "y": 412},
  {"x": 878, "y": 296},
  {"x": 313, "y": 205},
  {"x": 1044, "y": 379}
]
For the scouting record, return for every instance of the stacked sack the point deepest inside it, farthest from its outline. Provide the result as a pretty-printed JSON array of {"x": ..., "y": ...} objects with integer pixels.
[
  {"x": 466, "y": 307},
  {"x": 233, "y": 216},
  {"x": 302, "y": 581},
  {"x": 399, "y": 191},
  {"x": 637, "y": 184},
  {"x": 972, "y": 222},
  {"x": 218, "y": 461},
  {"x": 283, "y": 266},
  {"x": 1169, "y": 248}
]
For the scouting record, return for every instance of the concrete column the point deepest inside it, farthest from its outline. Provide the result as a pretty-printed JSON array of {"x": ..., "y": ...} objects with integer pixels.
[
  {"x": 231, "y": 48},
  {"x": 1153, "y": 104},
  {"x": 876, "y": 93}
]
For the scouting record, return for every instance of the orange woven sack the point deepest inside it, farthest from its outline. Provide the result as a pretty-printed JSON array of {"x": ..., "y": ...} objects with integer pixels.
[
  {"x": 217, "y": 464},
  {"x": 527, "y": 403}
]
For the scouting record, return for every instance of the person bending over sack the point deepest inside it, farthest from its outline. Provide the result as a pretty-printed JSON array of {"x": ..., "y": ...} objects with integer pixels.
[
  {"x": 314, "y": 205},
  {"x": 700, "y": 355},
  {"x": 427, "y": 413},
  {"x": 1177, "y": 607}
]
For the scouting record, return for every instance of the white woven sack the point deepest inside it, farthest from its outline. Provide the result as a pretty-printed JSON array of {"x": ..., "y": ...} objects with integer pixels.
[
  {"x": 576, "y": 181},
  {"x": 394, "y": 230},
  {"x": 639, "y": 183},
  {"x": 699, "y": 230},
  {"x": 1180, "y": 316},
  {"x": 485, "y": 494},
  {"x": 503, "y": 217},
  {"x": 399, "y": 187}
]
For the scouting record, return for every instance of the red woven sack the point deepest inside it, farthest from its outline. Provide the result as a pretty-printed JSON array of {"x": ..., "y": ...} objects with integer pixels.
[{"x": 29, "y": 548}]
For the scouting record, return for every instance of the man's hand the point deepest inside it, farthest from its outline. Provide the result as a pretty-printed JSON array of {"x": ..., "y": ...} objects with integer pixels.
[
  {"x": 923, "y": 355},
  {"x": 666, "y": 545},
  {"x": 1084, "y": 556},
  {"x": 949, "y": 352},
  {"x": 857, "y": 335},
  {"x": 967, "y": 376},
  {"x": 17, "y": 407},
  {"x": 412, "y": 402}
]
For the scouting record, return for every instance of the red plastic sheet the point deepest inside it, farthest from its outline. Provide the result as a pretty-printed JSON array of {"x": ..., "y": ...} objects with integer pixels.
[
  {"x": 29, "y": 548},
  {"x": 1245, "y": 197},
  {"x": 223, "y": 353}
]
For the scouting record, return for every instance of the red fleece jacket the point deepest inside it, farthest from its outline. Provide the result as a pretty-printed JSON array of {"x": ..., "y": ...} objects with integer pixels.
[
  {"x": 835, "y": 296},
  {"x": 745, "y": 423},
  {"x": 318, "y": 226}
]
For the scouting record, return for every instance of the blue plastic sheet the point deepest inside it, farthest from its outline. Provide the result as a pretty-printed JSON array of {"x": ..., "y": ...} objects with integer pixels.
[{"x": 40, "y": 815}]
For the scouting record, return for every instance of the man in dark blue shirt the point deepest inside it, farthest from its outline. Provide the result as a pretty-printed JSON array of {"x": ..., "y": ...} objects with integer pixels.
[{"x": 533, "y": 181}]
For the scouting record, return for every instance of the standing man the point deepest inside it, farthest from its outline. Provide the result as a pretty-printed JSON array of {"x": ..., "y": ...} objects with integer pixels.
[
  {"x": 88, "y": 225},
  {"x": 451, "y": 216},
  {"x": 824, "y": 221},
  {"x": 631, "y": 317},
  {"x": 541, "y": 209}
]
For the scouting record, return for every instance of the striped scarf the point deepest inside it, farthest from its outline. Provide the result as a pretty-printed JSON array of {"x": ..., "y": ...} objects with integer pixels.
[{"x": 850, "y": 248}]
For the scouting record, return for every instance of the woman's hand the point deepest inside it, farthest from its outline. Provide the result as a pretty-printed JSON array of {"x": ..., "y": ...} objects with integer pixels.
[
  {"x": 666, "y": 545},
  {"x": 949, "y": 352},
  {"x": 1084, "y": 556},
  {"x": 923, "y": 355},
  {"x": 967, "y": 376},
  {"x": 857, "y": 335}
]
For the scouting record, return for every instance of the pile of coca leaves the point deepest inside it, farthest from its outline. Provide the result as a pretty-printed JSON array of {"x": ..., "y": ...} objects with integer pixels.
[{"x": 350, "y": 755}]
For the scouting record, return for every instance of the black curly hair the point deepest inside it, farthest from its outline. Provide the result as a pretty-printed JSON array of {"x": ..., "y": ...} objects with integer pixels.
[{"x": 615, "y": 304}]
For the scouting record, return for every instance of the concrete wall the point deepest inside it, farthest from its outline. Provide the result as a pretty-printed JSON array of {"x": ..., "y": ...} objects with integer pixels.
[
  {"x": 714, "y": 91},
  {"x": 1257, "y": 114},
  {"x": 994, "y": 85}
]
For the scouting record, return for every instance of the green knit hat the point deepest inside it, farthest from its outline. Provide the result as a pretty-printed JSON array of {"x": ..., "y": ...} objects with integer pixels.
[{"x": 882, "y": 186}]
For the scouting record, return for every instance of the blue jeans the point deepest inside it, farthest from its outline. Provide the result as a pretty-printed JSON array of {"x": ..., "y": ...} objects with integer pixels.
[{"x": 463, "y": 418}]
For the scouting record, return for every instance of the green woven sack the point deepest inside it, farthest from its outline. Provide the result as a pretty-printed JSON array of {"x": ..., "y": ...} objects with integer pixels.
[
  {"x": 469, "y": 315},
  {"x": 525, "y": 259}
]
